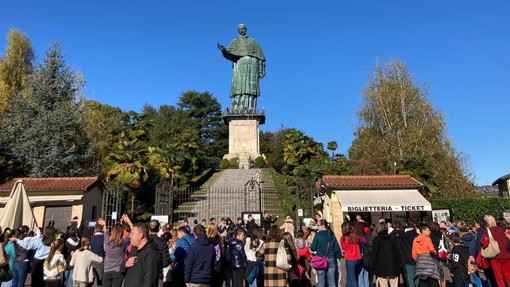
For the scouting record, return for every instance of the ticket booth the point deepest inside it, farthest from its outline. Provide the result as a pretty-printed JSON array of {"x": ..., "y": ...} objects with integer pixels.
[{"x": 392, "y": 197}]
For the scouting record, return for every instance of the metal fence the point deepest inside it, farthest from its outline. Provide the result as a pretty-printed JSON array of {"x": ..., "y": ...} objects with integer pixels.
[{"x": 204, "y": 203}]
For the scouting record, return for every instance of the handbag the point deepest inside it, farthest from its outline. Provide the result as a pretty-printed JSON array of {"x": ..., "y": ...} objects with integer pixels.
[
  {"x": 321, "y": 262},
  {"x": 5, "y": 273},
  {"x": 492, "y": 249},
  {"x": 281, "y": 258}
]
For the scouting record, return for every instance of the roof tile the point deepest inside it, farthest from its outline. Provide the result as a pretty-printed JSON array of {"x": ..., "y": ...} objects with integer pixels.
[
  {"x": 53, "y": 183},
  {"x": 371, "y": 181}
]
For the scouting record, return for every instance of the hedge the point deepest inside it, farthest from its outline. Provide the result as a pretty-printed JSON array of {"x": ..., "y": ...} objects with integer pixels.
[
  {"x": 225, "y": 163},
  {"x": 260, "y": 162},
  {"x": 471, "y": 208},
  {"x": 202, "y": 178}
]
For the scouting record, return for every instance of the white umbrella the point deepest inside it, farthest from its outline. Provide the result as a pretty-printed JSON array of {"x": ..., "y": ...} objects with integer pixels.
[{"x": 17, "y": 211}]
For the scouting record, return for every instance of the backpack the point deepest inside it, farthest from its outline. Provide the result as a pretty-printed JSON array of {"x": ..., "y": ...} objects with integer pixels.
[
  {"x": 442, "y": 252},
  {"x": 366, "y": 253},
  {"x": 227, "y": 253},
  {"x": 218, "y": 268}
]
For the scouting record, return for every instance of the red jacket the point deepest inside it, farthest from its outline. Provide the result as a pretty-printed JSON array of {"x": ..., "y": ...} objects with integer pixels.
[
  {"x": 500, "y": 236},
  {"x": 351, "y": 250}
]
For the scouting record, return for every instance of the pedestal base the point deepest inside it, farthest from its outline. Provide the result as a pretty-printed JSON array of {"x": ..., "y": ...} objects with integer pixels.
[{"x": 243, "y": 138}]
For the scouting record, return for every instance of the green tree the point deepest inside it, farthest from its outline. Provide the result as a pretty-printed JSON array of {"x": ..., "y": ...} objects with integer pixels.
[
  {"x": 332, "y": 146},
  {"x": 42, "y": 133},
  {"x": 397, "y": 121},
  {"x": 271, "y": 145},
  {"x": 173, "y": 132},
  {"x": 102, "y": 124},
  {"x": 204, "y": 110},
  {"x": 304, "y": 158},
  {"x": 16, "y": 66},
  {"x": 423, "y": 169}
]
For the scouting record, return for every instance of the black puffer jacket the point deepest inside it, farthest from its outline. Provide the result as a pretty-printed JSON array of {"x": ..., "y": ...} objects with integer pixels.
[{"x": 237, "y": 256}]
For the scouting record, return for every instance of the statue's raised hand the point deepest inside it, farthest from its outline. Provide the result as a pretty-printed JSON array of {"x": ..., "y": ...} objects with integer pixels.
[{"x": 221, "y": 47}]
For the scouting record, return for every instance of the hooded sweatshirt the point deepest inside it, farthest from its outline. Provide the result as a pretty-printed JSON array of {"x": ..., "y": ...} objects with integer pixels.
[
  {"x": 199, "y": 264},
  {"x": 469, "y": 240},
  {"x": 422, "y": 245}
]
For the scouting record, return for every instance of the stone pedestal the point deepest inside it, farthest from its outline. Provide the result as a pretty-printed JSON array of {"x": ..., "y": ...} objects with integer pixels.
[{"x": 243, "y": 137}]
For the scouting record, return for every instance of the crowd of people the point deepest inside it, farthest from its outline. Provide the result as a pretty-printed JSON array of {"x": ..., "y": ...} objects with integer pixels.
[{"x": 259, "y": 253}]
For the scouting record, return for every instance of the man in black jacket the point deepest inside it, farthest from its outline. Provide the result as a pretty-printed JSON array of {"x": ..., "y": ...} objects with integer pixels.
[
  {"x": 162, "y": 247},
  {"x": 143, "y": 260},
  {"x": 199, "y": 264},
  {"x": 408, "y": 237},
  {"x": 250, "y": 224},
  {"x": 267, "y": 221}
]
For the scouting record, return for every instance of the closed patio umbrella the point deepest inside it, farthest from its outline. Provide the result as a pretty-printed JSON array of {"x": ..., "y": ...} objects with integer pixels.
[{"x": 17, "y": 211}]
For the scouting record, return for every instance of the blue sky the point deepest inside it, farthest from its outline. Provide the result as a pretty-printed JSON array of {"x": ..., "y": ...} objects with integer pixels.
[{"x": 319, "y": 56}]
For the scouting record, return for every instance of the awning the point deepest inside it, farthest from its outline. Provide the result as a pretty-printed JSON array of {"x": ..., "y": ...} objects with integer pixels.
[{"x": 382, "y": 200}]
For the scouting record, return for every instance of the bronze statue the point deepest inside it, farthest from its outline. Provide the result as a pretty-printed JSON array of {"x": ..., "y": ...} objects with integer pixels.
[{"x": 248, "y": 67}]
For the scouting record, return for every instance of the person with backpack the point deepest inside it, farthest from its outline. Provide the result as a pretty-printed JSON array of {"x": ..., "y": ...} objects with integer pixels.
[
  {"x": 365, "y": 276},
  {"x": 41, "y": 247},
  {"x": 21, "y": 262},
  {"x": 253, "y": 268},
  {"x": 216, "y": 240},
  {"x": 54, "y": 265},
  {"x": 303, "y": 246}
]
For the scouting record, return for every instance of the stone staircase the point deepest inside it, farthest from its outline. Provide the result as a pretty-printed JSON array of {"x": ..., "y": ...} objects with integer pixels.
[
  {"x": 224, "y": 195},
  {"x": 227, "y": 194}
]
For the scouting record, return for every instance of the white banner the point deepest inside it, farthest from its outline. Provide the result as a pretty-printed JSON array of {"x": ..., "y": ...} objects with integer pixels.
[{"x": 385, "y": 208}]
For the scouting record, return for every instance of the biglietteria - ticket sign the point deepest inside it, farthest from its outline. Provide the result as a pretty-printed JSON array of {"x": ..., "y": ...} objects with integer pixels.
[{"x": 386, "y": 208}]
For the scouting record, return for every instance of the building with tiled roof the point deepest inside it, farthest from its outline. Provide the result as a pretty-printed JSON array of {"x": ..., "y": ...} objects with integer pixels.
[
  {"x": 392, "y": 197},
  {"x": 59, "y": 198},
  {"x": 370, "y": 181}
]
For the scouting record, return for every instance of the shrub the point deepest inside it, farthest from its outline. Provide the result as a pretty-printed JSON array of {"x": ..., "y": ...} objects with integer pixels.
[
  {"x": 224, "y": 163},
  {"x": 470, "y": 208},
  {"x": 234, "y": 163},
  {"x": 260, "y": 162}
]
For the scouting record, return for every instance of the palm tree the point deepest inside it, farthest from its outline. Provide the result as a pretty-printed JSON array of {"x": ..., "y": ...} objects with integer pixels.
[{"x": 332, "y": 146}]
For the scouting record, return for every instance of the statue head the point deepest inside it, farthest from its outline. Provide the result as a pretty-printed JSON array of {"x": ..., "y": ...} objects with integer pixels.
[{"x": 241, "y": 28}]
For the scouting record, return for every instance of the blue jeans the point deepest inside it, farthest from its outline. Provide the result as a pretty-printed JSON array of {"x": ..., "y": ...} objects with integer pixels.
[
  {"x": 353, "y": 268},
  {"x": 476, "y": 279},
  {"x": 68, "y": 278},
  {"x": 328, "y": 274},
  {"x": 339, "y": 273},
  {"x": 363, "y": 278},
  {"x": 411, "y": 281},
  {"x": 19, "y": 273}
]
